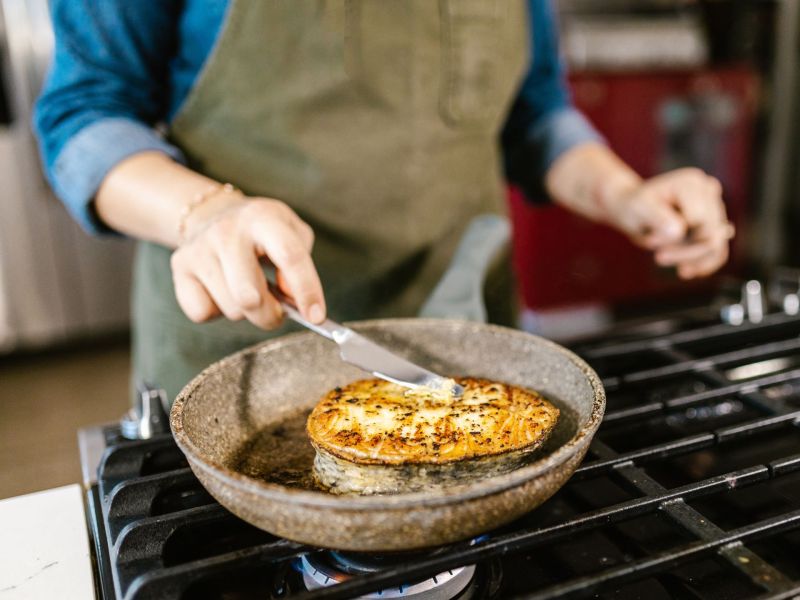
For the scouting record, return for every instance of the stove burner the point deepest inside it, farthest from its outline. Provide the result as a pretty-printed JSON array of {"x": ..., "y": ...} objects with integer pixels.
[{"x": 329, "y": 568}]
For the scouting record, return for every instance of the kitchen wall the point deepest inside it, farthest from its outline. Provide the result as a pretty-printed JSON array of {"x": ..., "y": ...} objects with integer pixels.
[{"x": 56, "y": 283}]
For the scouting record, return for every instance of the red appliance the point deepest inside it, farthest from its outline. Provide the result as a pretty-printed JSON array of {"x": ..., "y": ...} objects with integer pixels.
[{"x": 655, "y": 122}]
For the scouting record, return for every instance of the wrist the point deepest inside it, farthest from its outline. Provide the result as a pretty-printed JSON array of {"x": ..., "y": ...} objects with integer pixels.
[
  {"x": 205, "y": 207},
  {"x": 611, "y": 192},
  {"x": 592, "y": 181}
]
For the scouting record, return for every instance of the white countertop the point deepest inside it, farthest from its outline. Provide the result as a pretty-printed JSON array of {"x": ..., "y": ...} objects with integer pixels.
[{"x": 44, "y": 546}]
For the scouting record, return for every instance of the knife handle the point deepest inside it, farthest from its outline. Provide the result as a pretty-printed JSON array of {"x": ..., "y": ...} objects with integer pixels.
[{"x": 329, "y": 329}]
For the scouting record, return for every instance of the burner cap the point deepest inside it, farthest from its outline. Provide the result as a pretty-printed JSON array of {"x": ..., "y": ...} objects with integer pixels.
[{"x": 329, "y": 568}]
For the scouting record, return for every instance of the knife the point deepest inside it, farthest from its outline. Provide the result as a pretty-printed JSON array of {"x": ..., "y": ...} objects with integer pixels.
[{"x": 369, "y": 356}]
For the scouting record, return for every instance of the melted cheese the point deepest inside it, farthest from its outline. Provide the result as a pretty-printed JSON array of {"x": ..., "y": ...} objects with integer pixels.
[
  {"x": 445, "y": 393},
  {"x": 377, "y": 422}
]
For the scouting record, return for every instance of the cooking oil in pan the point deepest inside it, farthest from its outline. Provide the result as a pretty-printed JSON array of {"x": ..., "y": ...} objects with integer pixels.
[{"x": 279, "y": 453}]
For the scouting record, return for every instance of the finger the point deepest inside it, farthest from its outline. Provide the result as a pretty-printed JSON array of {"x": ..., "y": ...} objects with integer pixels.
[
  {"x": 698, "y": 200},
  {"x": 209, "y": 273},
  {"x": 705, "y": 264},
  {"x": 305, "y": 233},
  {"x": 284, "y": 248},
  {"x": 711, "y": 263},
  {"x": 684, "y": 253},
  {"x": 193, "y": 298},
  {"x": 653, "y": 223},
  {"x": 708, "y": 236},
  {"x": 300, "y": 227},
  {"x": 245, "y": 279},
  {"x": 714, "y": 190}
]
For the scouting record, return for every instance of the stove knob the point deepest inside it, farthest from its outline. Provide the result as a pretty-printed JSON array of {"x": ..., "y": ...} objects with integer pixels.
[
  {"x": 732, "y": 314},
  {"x": 791, "y": 304},
  {"x": 148, "y": 417},
  {"x": 753, "y": 301}
]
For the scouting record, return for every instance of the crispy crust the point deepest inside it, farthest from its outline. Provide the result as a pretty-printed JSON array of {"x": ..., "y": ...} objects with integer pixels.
[{"x": 374, "y": 422}]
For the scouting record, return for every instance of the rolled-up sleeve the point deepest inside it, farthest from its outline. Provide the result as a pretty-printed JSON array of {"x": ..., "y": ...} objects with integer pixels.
[
  {"x": 104, "y": 94},
  {"x": 542, "y": 123}
]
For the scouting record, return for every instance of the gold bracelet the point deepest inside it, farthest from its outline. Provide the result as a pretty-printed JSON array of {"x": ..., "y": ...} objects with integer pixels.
[{"x": 199, "y": 199}]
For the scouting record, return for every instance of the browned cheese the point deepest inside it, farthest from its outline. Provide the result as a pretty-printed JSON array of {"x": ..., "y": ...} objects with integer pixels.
[{"x": 375, "y": 422}]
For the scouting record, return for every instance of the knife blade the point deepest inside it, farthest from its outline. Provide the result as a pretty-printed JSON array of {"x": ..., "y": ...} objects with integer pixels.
[{"x": 370, "y": 356}]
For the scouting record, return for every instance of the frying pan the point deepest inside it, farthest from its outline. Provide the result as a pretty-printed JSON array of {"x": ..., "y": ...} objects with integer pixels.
[{"x": 241, "y": 425}]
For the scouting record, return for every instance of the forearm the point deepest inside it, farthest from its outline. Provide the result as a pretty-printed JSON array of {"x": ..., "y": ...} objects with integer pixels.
[
  {"x": 146, "y": 196},
  {"x": 588, "y": 179},
  {"x": 678, "y": 215}
]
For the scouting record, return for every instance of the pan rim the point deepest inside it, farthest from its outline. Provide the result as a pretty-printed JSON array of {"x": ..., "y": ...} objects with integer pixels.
[{"x": 319, "y": 499}]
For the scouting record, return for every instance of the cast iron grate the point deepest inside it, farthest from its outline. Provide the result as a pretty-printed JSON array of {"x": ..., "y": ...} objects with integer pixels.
[{"x": 691, "y": 489}]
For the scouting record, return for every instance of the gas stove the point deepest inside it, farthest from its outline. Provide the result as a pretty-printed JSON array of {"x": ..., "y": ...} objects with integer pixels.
[{"x": 691, "y": 489}]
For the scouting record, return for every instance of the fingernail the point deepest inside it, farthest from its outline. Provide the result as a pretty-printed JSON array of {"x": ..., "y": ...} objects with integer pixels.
[{"x": 315, "y": 313}]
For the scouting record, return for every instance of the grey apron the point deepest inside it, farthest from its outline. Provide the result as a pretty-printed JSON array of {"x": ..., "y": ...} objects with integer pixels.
[{"x": 377, "y": 121}]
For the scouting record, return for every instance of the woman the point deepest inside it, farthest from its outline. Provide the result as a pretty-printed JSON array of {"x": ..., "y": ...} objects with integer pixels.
[{"x": 363, "y": 135}]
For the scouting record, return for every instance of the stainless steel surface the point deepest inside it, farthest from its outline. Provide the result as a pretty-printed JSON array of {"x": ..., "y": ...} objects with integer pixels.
[
  {"x": 762, "y": 368},
  {"x": 633, "y": 42},
  {"x": 441, "y": 587},
  {"x": 369, "y": 356},
  {"x": 91, "y": 445},
  {"x": 148, "y": 417},
  {"x": 778, "y": 173}
]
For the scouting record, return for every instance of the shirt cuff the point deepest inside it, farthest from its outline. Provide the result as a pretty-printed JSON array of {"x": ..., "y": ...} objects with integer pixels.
[
  {"x": 90, "y": 154},
  {"x": 561, "y": 130}
]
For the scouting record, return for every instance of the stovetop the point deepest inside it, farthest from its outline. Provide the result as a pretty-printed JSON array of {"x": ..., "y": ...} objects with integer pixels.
[{"x": 691, "y": 489}]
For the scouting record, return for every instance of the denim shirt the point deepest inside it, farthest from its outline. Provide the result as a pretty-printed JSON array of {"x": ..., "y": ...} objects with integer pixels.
[{"x": 121, "y": 68}]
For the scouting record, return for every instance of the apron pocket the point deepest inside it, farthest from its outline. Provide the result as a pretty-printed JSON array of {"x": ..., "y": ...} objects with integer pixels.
[
  {"x": 377, "y": 50},
  {"x": 473, "y": 46}
]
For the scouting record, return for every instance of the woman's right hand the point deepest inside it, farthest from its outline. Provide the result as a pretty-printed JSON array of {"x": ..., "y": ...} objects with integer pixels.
[{"x": 217, "y": 270}]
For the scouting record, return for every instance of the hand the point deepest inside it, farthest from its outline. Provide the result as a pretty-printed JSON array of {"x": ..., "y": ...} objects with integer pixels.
[
  {"x": 679, "y": 215},
  {"x": 217, "y": 270}
]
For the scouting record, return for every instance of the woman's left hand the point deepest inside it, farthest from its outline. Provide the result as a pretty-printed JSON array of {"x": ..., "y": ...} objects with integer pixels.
[{"x": 679, "y": 215}]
